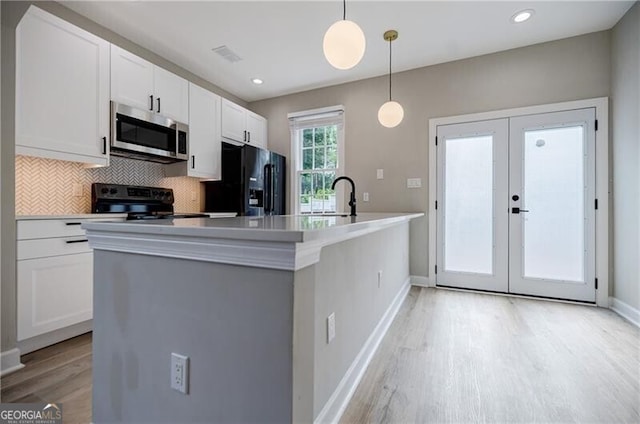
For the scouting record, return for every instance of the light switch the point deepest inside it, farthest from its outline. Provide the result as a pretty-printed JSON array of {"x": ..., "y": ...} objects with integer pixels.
[
  {"x": 380, "y": 174},
  {"x": 414, "y": 182}
]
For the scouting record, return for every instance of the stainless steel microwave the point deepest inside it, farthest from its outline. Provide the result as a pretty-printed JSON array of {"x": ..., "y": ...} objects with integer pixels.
[{"x": 142, "y": 134}]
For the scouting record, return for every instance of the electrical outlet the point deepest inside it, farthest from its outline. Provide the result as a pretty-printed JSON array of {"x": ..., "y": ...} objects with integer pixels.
[
  {"x": 379, "y": 279},
  {"x": 380, "y": 174},
  {"x": 193, "y": 196},
  {"x": 77, "y": 190},
  {"x": 365, "y": 197},
  {"x": 180, "y": 373},
  {"x": 331, "y": 327}
]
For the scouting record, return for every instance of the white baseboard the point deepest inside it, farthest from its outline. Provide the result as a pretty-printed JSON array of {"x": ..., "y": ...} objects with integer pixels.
[
  {"x": 420, "y": 281},
  {"x": 337, "y": 403},
  {"x": 53, "y": 337},
  {"x": 10, "y": 361},
  {"x": 625, "y": 310}
]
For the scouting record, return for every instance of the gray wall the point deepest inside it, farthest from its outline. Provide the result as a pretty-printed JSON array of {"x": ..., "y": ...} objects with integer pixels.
[
  {"x": 346, "y": 283},
  {"x": 569, "y": 69},
  {"x": 256, "y": 337},
  {"x": 1, "y": 200},
  {"x": 12, "y": 12},
  {"x": 625, "y": 94},
  {"x": 235, "y": 324}
]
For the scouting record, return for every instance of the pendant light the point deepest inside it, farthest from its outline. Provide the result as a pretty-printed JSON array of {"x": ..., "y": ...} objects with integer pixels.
[
  {"x": 391, "y": 113},
  {"x": 344, "y": 42}
]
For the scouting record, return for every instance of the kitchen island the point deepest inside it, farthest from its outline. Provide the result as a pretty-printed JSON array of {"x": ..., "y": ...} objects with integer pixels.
[{"x": 250, "y": 301}]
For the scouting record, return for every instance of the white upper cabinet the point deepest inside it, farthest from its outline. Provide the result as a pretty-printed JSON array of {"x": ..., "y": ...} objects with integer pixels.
[
  {"x": 205, "y": 145},
  {"x": 257, "y": 130},
  {"x": 242, "y": 125},
  {"x": 131, "y": 79},
  {"x": 233, "y": 121},
  {"x": 139, "y": 83},
  {"x": 172, "y": 95},
  {"x": 62, "y": 90}
]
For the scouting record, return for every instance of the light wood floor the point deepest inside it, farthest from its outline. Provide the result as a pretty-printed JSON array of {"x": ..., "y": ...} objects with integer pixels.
[
  {"x": 459, "y": 357},
  {"x": 448, "y": 357},
  {"x": 57, "y": 374}
]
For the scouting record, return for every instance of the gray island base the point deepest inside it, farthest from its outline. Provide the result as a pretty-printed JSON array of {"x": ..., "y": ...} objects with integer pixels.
[{"x": 247, "y": 300}]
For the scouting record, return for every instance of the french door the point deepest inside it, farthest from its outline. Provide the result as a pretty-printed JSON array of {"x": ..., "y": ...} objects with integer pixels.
[{"x": 515, "y": 211}]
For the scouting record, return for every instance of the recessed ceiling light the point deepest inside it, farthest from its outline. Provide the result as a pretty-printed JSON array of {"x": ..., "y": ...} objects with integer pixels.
[
  {"x": 522, "y": 16},
  {"x": 256, "y": 81}
]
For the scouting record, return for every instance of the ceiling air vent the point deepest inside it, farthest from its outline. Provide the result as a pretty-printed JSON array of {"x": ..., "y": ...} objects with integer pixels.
[{"x": 227, "y": 54}]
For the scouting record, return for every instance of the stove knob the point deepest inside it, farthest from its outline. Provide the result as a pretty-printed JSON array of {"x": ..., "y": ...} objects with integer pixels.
[
  {"x": 104, "y": 190},
  {"x": 154, "y": 192},
  {"x": 113, "y": 191},
  {"x": 162, "y": 194}
]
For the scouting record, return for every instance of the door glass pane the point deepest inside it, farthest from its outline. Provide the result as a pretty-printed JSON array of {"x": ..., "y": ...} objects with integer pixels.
[
  {"x": 468, "y": 213},
  {"x": 553, "y": 230}
]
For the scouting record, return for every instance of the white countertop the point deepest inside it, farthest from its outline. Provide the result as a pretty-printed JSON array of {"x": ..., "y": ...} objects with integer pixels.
[
  {"x": 72, "y": 216},
  {"x": 288, "y": 242},
  {"x": 283, "y": 228},
  {"x": 107, "y": 215}
]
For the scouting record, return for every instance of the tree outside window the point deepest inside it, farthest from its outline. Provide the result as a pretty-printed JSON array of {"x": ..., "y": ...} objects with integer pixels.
[{"x": 319, "y": 166}]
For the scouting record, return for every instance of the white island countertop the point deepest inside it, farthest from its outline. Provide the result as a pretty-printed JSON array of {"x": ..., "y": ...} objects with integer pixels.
[{"x": 278, "y": 242}]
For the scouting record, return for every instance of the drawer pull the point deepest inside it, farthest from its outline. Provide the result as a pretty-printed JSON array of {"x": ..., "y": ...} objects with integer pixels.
[
  {"x": 73, "y": 223},
  {"x": 76, "y": 241}
]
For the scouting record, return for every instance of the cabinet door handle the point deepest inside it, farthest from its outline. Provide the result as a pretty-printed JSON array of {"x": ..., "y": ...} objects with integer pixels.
[
  {"x": 151, "y": 107},
  {"x": 245, "y": 136},
  {"x": 158, "y": 104},
  {"x": 193, "y": 161},
  {"x": 104, "y": 145},
  {"x": 249, "y": 136},
  {"x": 73, "y": 223},
  {"x": 76, "y": 241}
]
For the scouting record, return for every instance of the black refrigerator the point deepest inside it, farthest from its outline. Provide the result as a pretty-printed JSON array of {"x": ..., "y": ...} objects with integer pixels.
[{"x": 253, "y": 182}]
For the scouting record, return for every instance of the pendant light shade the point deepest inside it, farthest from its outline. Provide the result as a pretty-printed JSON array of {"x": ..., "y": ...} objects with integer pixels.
[
  {"x": 391, "y": 113},
  {"x": 344, "y": 43}
]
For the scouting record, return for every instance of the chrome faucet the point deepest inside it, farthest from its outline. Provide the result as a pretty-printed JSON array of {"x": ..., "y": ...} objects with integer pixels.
[{"x": 352, "y": 198}]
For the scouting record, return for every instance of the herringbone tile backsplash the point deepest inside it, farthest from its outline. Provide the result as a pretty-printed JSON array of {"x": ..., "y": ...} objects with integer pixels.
[{"x": 45, "y": 186}]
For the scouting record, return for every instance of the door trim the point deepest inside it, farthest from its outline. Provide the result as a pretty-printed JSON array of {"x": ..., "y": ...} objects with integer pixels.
[{"x": 601, "y": 106}]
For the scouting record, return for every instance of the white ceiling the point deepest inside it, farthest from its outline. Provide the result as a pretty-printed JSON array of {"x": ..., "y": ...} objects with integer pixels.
[{"x": 281, "y": 41}]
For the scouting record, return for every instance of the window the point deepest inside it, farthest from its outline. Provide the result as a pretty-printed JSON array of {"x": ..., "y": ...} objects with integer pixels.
[{"x": 317, "y": 159}]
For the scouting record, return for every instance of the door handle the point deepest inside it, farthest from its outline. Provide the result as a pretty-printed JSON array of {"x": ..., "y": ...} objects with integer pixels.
[
  {"x": 193, "y": 161},
  {"x": 151, "y": 107},
  {"x": 249, "y": 136},
  {"x": 158, "y": 104},
  {"x": 245, "y": 136},
  {"x": 518, "y": 210},
  {"x": 104, "y": 145}
]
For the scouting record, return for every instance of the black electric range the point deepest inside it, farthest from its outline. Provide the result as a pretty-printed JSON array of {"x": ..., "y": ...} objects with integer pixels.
[{"x": 138, "y": 202}]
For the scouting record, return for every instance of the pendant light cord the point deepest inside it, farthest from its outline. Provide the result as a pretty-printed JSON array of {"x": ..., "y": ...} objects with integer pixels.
[
  {"x": 344, "y": 10},
  {"x": 389, "y": 69}
]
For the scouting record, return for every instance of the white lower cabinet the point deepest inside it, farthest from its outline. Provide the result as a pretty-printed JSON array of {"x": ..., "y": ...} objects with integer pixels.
[
  {"x": 54, "y": 293},
  {"x": 55, "y": 280}
]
